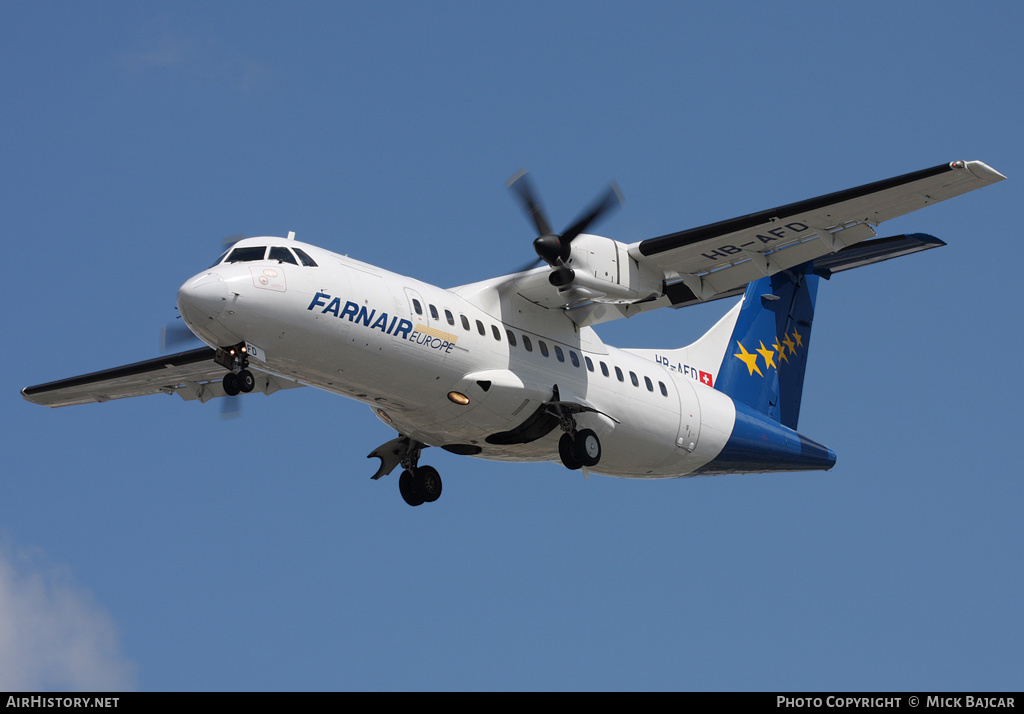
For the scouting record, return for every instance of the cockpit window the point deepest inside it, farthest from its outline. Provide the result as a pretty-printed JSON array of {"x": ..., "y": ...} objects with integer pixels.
[
  {"x": 304, "y": 258},
  {"x": 282, "y": 254},
  {"x": 242, "y": 255}
]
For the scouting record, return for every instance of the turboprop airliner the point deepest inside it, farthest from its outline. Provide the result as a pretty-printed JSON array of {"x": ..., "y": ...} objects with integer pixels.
[{"x": 512, "y": 369}]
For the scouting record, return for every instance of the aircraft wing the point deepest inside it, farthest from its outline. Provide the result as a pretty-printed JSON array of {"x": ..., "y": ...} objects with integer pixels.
[
  {"x": 191, "y": 375},
  {"x": 718, "y": 260},
  {"x": 723, "y": 256}
]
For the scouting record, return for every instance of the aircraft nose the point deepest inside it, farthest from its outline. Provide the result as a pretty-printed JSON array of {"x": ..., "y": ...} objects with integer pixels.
[{"x": 202, "y": 299}]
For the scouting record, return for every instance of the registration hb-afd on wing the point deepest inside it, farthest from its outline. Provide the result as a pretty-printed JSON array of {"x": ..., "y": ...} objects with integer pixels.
[{"x": 512, "y": 368}]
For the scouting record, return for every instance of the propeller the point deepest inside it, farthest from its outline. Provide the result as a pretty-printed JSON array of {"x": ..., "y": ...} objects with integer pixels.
[
  {"x": 231, "y": 407},
  {"x": 174, "y": 335},
  {"x": 232, "y": 239},
  {"x": 552, "y": 248}
]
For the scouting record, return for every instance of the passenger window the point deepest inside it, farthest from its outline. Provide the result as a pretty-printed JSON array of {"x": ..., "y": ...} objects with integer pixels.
[
  {"x": 480, "y": 328},
  {"x": 465, "y": 322},
  {"x": 649, "y": 384},
  {"x": 417, "y": 307},
  {"x": 664, "y": 389},
  {"x": 590, "y": 363},
  {"x": 511, "y": 337},
  {"x": 496, "y": 332},
  {"x": 574, "y": 359},
  {"x": 282, "y": 254},
  {"x": 433, "y": 313},
  {"x": 558, "y": 354},
  {"x": 633, "y": 379},
  {"x": 527, "y": 344},
  {"x": 543, "y": 348},
  {"x": 604, "y": 369},
  {"x": 618, "y": 375},
  {"x": 244, "y": 255},
  {"x": 449, "y": 317},
  {"x": 305, "y": 259}
]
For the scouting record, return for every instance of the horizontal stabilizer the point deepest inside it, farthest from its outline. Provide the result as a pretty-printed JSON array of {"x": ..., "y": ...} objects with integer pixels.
[
  {"x": 874, "y": 251},
  {"x": 866, "y": 252}
]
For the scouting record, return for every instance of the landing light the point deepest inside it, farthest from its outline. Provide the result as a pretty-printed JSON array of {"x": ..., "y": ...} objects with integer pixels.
[{"x": 458, "y": 398}]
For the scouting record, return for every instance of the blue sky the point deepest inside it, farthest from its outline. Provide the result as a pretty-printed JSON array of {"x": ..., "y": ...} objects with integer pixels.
[{"x": 151, "y": 544}]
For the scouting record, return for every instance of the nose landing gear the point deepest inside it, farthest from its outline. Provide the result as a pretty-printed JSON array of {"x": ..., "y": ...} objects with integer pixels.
[
  {"x": 239, "y": 379},
  {"x": 234, "y": 383}
]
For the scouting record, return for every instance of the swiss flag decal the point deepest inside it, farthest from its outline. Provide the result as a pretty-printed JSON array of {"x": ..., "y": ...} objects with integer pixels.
[{"x": 705, "y": 378}]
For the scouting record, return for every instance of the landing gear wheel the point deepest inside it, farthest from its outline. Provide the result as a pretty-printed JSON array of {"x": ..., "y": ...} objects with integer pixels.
[
  {"x": 246, "y": 381},
  {"x": 407, "y": 487},
  {"x": 231, "y": 386},
  {"x": 427, "y": 483},
  {"x": 567, "y": 451},
  {"x": 587, "y": 447}
]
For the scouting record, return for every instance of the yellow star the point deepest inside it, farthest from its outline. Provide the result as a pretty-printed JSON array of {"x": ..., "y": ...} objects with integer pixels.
[
  {"x": 768, "y": 355},
  {"x": 779, "y": 348},
  {"x": 790, "y": 344},
  {"x": 748, "y": 359},
  {"x": 799, "y": 341}
]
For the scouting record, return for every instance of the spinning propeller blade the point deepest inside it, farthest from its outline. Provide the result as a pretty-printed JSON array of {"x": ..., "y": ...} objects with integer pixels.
[
  {"x": 552, "y": 248},
  {"x": 174, "y": 335}
]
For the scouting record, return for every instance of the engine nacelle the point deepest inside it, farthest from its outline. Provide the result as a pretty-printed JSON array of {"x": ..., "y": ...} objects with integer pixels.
[{"x": 602, "y": 267}]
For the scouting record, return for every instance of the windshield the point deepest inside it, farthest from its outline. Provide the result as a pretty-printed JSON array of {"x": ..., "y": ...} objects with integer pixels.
[
  {"x": 278, "y": 253},
  {"x": 241, "y": 255}
]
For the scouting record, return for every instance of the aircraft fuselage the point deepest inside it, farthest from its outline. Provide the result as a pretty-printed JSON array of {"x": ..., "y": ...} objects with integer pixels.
[{"x": 403, "y": 346}]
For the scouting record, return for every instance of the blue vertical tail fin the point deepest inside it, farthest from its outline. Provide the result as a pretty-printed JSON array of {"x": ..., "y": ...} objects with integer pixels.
[
  {"x": 765, "y": 360},
  {"x": 757, "y": 355},
  {"x": 757, "y": 352}
]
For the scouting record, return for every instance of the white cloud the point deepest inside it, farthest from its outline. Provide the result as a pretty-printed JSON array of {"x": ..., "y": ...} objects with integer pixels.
[
  {"x": 53, "y": 636},
  {"x": 197, "y": 59}
]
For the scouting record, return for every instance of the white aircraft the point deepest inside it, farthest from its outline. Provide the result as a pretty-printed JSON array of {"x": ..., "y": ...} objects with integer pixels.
[{"x": 511, "y": 368}]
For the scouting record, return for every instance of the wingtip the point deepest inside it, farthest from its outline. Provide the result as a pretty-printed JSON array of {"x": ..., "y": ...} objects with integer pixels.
[{"x": 981, "y": 170}]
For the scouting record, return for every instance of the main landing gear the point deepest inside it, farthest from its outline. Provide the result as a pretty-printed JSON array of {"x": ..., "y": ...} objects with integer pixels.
[
  {"x": 417, "y": 484},
  {"x": 577, "y": 448}
]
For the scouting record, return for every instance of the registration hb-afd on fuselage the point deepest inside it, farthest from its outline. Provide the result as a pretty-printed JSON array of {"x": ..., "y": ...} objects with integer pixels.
[{"x": 512, "y": 368}]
